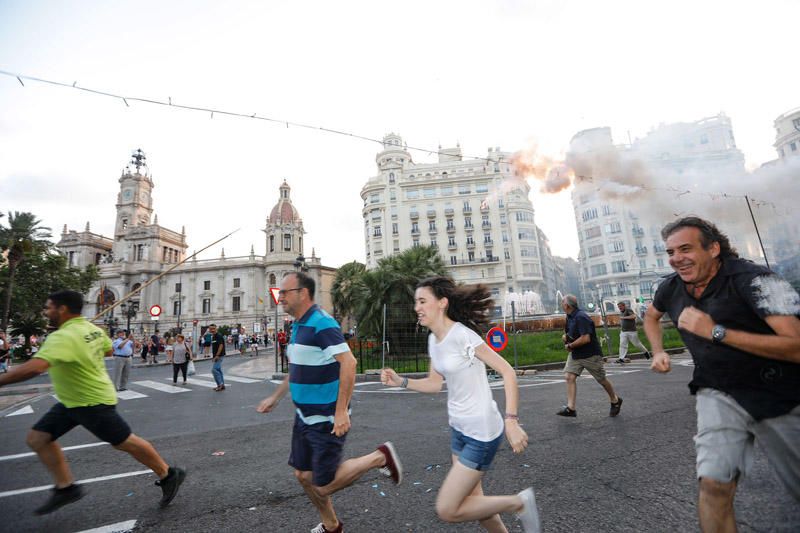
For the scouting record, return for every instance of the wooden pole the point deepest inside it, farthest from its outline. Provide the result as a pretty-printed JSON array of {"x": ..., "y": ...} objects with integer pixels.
[{"x": 151, "y": 281}]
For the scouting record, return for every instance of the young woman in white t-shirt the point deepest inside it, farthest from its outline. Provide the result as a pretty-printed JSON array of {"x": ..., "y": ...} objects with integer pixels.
[{"x": 458, "y": 354}]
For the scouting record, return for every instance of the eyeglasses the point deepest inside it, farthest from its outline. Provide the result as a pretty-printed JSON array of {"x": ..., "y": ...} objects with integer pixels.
[{"x": 283, "y": 292}]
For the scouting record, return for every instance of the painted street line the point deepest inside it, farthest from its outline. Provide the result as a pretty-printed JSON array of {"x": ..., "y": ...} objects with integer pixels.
[
  {"x": 41, "y": 488},
  {"x": 235, "y": 379},
  {"x": 130, "y": 395},
  {"x": 160, "y": 386},
  {"x": 119, "y": 527},
  {"x": 199, "y": 382},
  {"x": 31, "y": 454},
  {"x": 24, "y": 411}
]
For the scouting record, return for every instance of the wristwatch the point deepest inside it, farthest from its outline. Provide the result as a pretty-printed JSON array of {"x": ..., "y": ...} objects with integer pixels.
[{"x": 718, "y": 334}]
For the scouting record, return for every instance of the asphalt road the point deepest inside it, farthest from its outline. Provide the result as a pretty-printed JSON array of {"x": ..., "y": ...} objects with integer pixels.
[{"x": 592, "y": 473}]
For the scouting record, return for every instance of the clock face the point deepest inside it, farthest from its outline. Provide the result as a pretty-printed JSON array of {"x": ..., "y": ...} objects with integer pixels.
[{"x": 127, "y": 194}]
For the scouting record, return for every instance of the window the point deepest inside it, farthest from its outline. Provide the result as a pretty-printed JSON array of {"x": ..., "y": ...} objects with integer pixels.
[
  {"x": 391, "y": 177},
  {"x": 642, "y": 264},
  {"x": 176, "y": 308},
  {"x": 139, "y": 252},
  {"x": 589, "y": 214},
  {"x": 450, "y": 224},
  {"x": 464, "y": 188},
  {"x": 206, "y": 306},
  {"x": 124, "y": 223},
  {"x": 481, "y": 188},
  {"x": 177, "y": 287},
  {"x": 487, "y": 237},
  {"x": 622, "y": 288},
  {"x": 524, "y": 216},
  {"x": 434, "y": 244},
  {"x": 395, "y": 228},
  {"x": 470, "y": 256},
  {"x": 608, "y": 210},
  {"x": 614, "y": 227},
  {"x": 592, "y": 232},
  {"x": 453, "y": 260},
  {"x": 616, "y": 246},
  {"x": 447, "y": 190},
  {"x": 236, "y": 282},
  {"x": 470, "y": 240},
  {"x": 595, "y": 250},
  {"x": 503, "y": 219},
  {"x": 645, "y": 287},
  {"x": 71, "y": 259},
  {"x": 415, "y": 243},
  {"x": 599, "y": 270},
  {"x": 376, "y": 231},
  {"x": 287, "y": 242},
  {"x": 236, "y": 304},
  {"x": 374, "y": 198},
  {"x": 393, "y": 211},
  {"x": 431, "y": 225},
  {"x": 97, "y": 258},
  {"x": 392, "y": 195},
  {"x": 505, "y": 236},
  {"x": 412, "y": 194},
  {"x": 451, "y": 241},
  {"x": 206, "y": 285},
  {"x": 272, "y": 243},
  {"x": 396, "y": 246},
  {"x": 660, "y": 262},
  {"x": 429, "y": 192},
  {"x": 531, "y": 269},
  {"x": 414, "y": 227},
  {"x": 467, "y": 222},
  {"x": 793, "y": 146},
  {"x": 528, "y": 251},
  {"x": 704, "y": 139},
  {"x": 526, "y": 234},
  {"x": 506, "y": 253},
  {"x": 618, "y": 266}
]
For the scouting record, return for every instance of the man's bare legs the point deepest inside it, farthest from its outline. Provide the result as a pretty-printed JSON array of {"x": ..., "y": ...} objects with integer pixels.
[
  {"x": 572, "y": 389},
  {"x": 323, "y": 503},
  {"x": 143, "y": 451},
  {"x": 609, "y": 390},
  {"x": 715, "y": 506},
  {"x": 51, "y": 455}
]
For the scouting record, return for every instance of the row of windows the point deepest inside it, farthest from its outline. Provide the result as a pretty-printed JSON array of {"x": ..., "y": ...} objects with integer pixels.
[
  {"x": 287, "y": 242},
  {"x": 236, "y": 305},
  {"x": 620, "y": 266},
  {"x": 591, "y": 213}
]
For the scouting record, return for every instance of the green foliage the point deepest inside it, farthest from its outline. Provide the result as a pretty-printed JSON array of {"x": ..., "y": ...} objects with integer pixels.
[
  {"x": 346, "y": 287},
  {"x": 28, "y": 325},
  {"x": 224, "y": 330}
]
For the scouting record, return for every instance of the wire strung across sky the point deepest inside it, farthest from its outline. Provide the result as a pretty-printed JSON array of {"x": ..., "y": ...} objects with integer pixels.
[{"x": 288, "y": 123}]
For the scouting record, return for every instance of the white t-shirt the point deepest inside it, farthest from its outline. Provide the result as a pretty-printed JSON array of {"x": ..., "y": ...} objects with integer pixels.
[{"x": 470, "y": 405}]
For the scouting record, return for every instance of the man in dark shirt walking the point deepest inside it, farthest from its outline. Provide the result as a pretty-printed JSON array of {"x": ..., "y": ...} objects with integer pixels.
[
  {"x": 628, "y": 333},
  {"x": 740, "y": 323},
  {"x": 217, "y": 352},
  {"x": 580, "y": 340}
]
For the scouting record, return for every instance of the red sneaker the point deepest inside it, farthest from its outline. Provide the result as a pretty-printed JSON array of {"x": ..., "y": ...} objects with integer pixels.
[
  {"x": 392, "y": 468},
  {"x": 322, "y": 529}
]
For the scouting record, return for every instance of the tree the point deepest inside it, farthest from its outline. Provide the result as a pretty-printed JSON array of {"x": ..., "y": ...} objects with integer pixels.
[
  {"x": 346, "y": 287},
  {"x": 28, "y": 325},
  {"x": 24, "y": 236}
]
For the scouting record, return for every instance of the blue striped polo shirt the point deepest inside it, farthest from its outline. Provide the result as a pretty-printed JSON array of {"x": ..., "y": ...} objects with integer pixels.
[{"x": 313, "y": 369}]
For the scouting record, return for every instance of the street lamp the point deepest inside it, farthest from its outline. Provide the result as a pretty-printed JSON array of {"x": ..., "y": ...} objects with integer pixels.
[
  {"x": 111, "y": 323},
  {"x": 129, "y": 311},
  {"x": 300, "y": 264}
]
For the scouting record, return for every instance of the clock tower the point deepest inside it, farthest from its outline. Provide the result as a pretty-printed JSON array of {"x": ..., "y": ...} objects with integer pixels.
[{"x": 134, "y": 202}]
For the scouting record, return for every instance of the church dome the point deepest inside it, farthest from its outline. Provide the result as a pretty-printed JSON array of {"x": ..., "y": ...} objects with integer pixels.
[{"x": 284, "y": 212}]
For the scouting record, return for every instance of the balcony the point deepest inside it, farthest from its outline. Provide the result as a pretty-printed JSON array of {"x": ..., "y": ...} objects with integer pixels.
[
  {"x": 432, "y": 231},
  {"x": 484, "y": 207},
  {"x": 659, "y": 248},
  {"x": 469, "y": 227},
  {"x": 452, "y": 246},
  {"x": 470, "y": 245},
  {"x": 467, "y": 209},
  {"x": 488, "y": 242},
  {"x": 641, "y": 251},
  {"x": 414, "y": 215},
  {"x": 414, "y": 231},
  {"x": 637, "y": 231},
  {"x": 449, "y": 212},
  {"x": 431, "y": 213},
  {"x": 451, "y": 228},
  {"x": 486, "y": 224}
]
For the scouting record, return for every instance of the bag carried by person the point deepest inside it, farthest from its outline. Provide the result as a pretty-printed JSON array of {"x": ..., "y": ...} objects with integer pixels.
[{"x": 190, "y": 369}]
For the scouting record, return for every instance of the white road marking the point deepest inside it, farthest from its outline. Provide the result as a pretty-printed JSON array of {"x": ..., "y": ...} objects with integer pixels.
[
  {"x": 24, "y": 411},
  {"x": 119, "y": 527},
  {"x": 235, "y": 379},
  {"x": 130, "y": 395},
  {"x": 41, "y": 488},
  {"x": 31, "y": 454},
  {"x": 199, "y": 382},
  {"x": 160, "y": 386}
]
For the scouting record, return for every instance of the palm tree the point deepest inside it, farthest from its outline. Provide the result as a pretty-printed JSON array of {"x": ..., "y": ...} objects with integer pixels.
[
  {"x": 28, "y": 325},
  {"x": 24, "y": 235},
  {"x": 346, "y": 287}
]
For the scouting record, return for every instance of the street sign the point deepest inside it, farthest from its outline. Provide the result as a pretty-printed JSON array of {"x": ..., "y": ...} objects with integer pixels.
[
  {"x": 155, "y": 310},
  {"x": 257, "y": 327},
  {"x": 274, "y": 293},
  {"x": 497, "y": 339}
]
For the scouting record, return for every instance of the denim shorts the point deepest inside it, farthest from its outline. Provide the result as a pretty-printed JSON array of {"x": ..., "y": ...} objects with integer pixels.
[{"x": 472, "y": 453}]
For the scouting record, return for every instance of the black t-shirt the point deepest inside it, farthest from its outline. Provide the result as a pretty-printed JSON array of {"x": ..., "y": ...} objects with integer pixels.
[
  {"x": 578, "y": 324},
  {"x": 740, "y": 297},
  {"x": 216, "y": 341},
  {"x": 628, "y": 325}
]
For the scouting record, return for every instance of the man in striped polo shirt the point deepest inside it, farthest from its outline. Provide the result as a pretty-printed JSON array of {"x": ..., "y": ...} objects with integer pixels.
[{"x": 321, "y": 378}]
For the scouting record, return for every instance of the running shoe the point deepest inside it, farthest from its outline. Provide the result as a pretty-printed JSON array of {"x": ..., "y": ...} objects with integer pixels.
[
  {"x": 566, "y": 411},
  {"x": 61, "y": 497},
  {"x": 393, "y": 468},
  {"x": 170, "y": 484},
  {"x": 322, "y": 529},
  {"x": 615, "y": 407},
  {"x": 529, "y": 516}
]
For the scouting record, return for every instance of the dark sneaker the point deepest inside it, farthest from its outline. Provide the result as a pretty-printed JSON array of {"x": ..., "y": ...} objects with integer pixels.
[
  {"x": 566, "y": 411},
  {"x": 647, "y": 355},
  {"x": 170, "y": 484},
  {"x": 61, "y": 497},
  {"x": 620, "y": 361},
  {"x": 322, "y": 529},
  {"x": 529, "y": 515},
  {"x": 615, "y": 407},
  {"x": 393, "y": 468}
]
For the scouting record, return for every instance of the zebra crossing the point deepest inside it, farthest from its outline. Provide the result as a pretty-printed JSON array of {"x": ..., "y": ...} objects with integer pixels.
[{"x": 147, "y": 388}]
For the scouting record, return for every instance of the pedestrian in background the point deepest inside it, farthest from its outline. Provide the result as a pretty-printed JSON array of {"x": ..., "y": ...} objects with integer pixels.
[
  {"x": 153, "y": 350},
  {"x": 218, "y": 351},
  {"x": 181, "y": 355},
  {"x": 628, "y": 332},
  {"x": 123, "y": 356}
]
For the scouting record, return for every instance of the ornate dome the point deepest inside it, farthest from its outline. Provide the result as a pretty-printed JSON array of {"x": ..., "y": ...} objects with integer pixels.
[{"x": 284, "y": 212}]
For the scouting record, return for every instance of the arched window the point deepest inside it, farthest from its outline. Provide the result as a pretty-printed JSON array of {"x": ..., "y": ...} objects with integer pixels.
[
  {"x": 272, "y": 280},
  {"x": 105, "y": 299}
]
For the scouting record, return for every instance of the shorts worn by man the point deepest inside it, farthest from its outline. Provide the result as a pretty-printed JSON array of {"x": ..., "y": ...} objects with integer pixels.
[
  {"x": 740, "y": 323},
  {"x": 628, "y": 333},
  {"x": 74, "y": 358},
  {"x": 321, "y": 379},
  {"x": 580, "y": 340}
]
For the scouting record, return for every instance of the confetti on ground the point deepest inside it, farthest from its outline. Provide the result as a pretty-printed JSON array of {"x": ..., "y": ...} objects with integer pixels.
[
  {"x": 418, "y": 483},
  {"x": 129, "y": 494},
  {"x": 382, "y": 493},
  {"x": 429, "y": 490},
  {"x": 527, "y": 466},
  {"x": 251, "y": 509},
  {"x": 218, "y": 453},
  {"x": 375, "y": 486}
]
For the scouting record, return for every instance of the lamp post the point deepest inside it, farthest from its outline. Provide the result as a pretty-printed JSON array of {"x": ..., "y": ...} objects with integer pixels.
[
  {"x": 129, "y": 311},
  {"x": 605, "y": 320},
  {"x": 300, "y": 264}
]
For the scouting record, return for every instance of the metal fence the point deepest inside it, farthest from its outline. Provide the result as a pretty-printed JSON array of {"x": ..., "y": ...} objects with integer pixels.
[{"x": 403, "y": 344}]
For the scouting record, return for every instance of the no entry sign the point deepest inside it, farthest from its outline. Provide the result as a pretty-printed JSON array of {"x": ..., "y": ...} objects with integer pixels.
[
  {"x": 155, "y": 310},
  {"x": 497, "y": 339}
]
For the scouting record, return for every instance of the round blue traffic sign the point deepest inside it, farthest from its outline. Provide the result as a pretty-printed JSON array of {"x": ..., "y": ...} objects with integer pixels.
[{"x": 497, "y": 339}]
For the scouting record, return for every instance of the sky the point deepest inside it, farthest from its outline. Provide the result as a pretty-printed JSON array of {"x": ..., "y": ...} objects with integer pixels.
[{"x": 507, "y": 73}]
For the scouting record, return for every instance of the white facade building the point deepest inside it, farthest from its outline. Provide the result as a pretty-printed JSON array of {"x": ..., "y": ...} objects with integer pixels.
[
  {"x": 225, "y": 291},
  {"x": 473, "y": 210},
  {"x": 787, "y": 134},
  {"x": 621, "y": 255}
]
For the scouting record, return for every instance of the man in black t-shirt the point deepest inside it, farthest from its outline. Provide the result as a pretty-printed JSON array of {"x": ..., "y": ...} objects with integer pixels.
[
  {"x": 740, "y": 322},
  {"x": 628, "y": 333},
  {"x": 217, "y": 352},
  {"x": 580, "y": 340}
]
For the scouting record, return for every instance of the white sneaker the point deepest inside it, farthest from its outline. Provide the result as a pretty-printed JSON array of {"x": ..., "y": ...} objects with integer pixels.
[{"x": 529, "y": 516}]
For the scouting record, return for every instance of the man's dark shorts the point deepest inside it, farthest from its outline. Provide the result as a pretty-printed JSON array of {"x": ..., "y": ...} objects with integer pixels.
[
  {"x": 102, "y": 421},
  {"x": 315, "y": 449}
]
